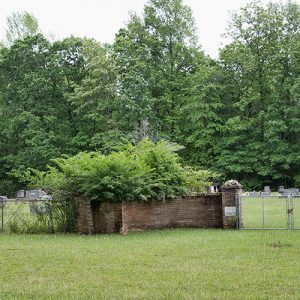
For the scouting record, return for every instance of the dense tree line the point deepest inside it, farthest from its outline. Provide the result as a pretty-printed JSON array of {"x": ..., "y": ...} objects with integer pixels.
[{"x": 238, "y": 115}]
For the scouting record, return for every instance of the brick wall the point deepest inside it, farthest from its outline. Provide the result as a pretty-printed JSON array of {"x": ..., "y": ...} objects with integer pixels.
[
  {"x": 203, "y": 211},
  {"x": 85, "y": 222},
  {"x": 107, "y": 217},
  {"x": 200, "y": 212}
]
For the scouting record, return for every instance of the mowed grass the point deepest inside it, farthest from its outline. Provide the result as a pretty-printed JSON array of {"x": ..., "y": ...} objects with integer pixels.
[
  {"x": 269, "y": 212},
  {"x": 167, "y": 264}
]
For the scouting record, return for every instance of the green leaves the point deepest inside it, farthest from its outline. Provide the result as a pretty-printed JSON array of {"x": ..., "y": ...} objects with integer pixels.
[
  {"x": 202, "y": 104},
  {"x": 36, "y": 127},
  {"x": 261, "y": 136},
  {"x": 147, "y": 171},
  {"x": 19, "y": 25},
  {"x": 154, "y": 54},
  {"x": 93, "y": 99},
  {"x": 239, "y": 116}
]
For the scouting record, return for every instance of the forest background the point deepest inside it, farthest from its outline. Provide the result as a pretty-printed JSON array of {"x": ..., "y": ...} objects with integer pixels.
[{"x": 238, "y": 115}]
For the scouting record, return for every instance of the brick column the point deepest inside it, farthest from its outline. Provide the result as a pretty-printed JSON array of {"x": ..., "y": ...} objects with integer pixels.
[
  {"x": 124, "y": 219},
  {"x": 230, "y": 190},
  {"x": 85, "y": 222}
]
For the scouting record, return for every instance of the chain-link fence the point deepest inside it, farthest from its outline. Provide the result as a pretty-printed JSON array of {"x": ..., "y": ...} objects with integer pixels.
[
  {"x": 36, "y": 216},
  {"x": 269, "y": 212}
]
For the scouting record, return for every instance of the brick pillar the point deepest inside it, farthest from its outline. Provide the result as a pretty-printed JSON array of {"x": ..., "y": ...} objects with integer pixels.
[
  {"x": 85, "y": 222},
  {"x": 124, "y": 222},
  {"x": 230, "y": 190}
]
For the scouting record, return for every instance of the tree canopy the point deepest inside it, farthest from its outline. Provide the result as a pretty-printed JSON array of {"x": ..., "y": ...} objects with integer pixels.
[{"x": 238, "y": 115}]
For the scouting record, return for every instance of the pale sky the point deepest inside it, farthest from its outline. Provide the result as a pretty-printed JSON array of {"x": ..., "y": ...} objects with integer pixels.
[{"x": 101, "y": 19}]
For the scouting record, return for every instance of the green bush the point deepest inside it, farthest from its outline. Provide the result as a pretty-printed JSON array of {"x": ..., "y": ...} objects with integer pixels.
[
  {"x": 134, "y": 173},
  {"x": 8, "y": 187}
]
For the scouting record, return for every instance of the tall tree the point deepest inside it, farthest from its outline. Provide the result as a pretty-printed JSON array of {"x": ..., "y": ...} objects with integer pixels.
[
  {"x": 32, "y": 103},
  {"x": 20, "y": 25},
  {"x": 94, "y": 98},
  {"x": 199, "y": 117},
  {"x": 71, "y": 65},
  {"x": 261, "y": 137},
  {"x": 154, "y": 54}
]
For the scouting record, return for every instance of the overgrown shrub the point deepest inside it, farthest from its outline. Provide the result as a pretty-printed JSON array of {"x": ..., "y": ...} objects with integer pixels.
[{"x": 134, "y": 173}]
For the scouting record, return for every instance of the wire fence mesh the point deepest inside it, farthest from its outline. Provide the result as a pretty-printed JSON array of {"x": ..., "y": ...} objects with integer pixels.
[
  {"x": 270, "y": 212},
  {"x": 36, "y": 216}
]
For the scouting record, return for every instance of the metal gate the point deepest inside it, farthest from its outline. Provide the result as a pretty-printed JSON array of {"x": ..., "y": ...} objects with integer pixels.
[{"x": 268, "y": 212}]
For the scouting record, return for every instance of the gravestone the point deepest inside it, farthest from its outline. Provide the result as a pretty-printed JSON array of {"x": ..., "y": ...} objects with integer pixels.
[
  {"x": 38, "y": 208},
  {"x": 35, "y": 194},
  {"x": 290, "y": 192},
  {"x": 266, "y": 192},
  {"x": 211, "y": 189},
  {"x": 21, "y": 194},
  {"x": 31, "y": 194}
]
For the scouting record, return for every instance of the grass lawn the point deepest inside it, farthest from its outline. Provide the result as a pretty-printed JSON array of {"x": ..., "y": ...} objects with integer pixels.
[{"x": 168, "y": 264}]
